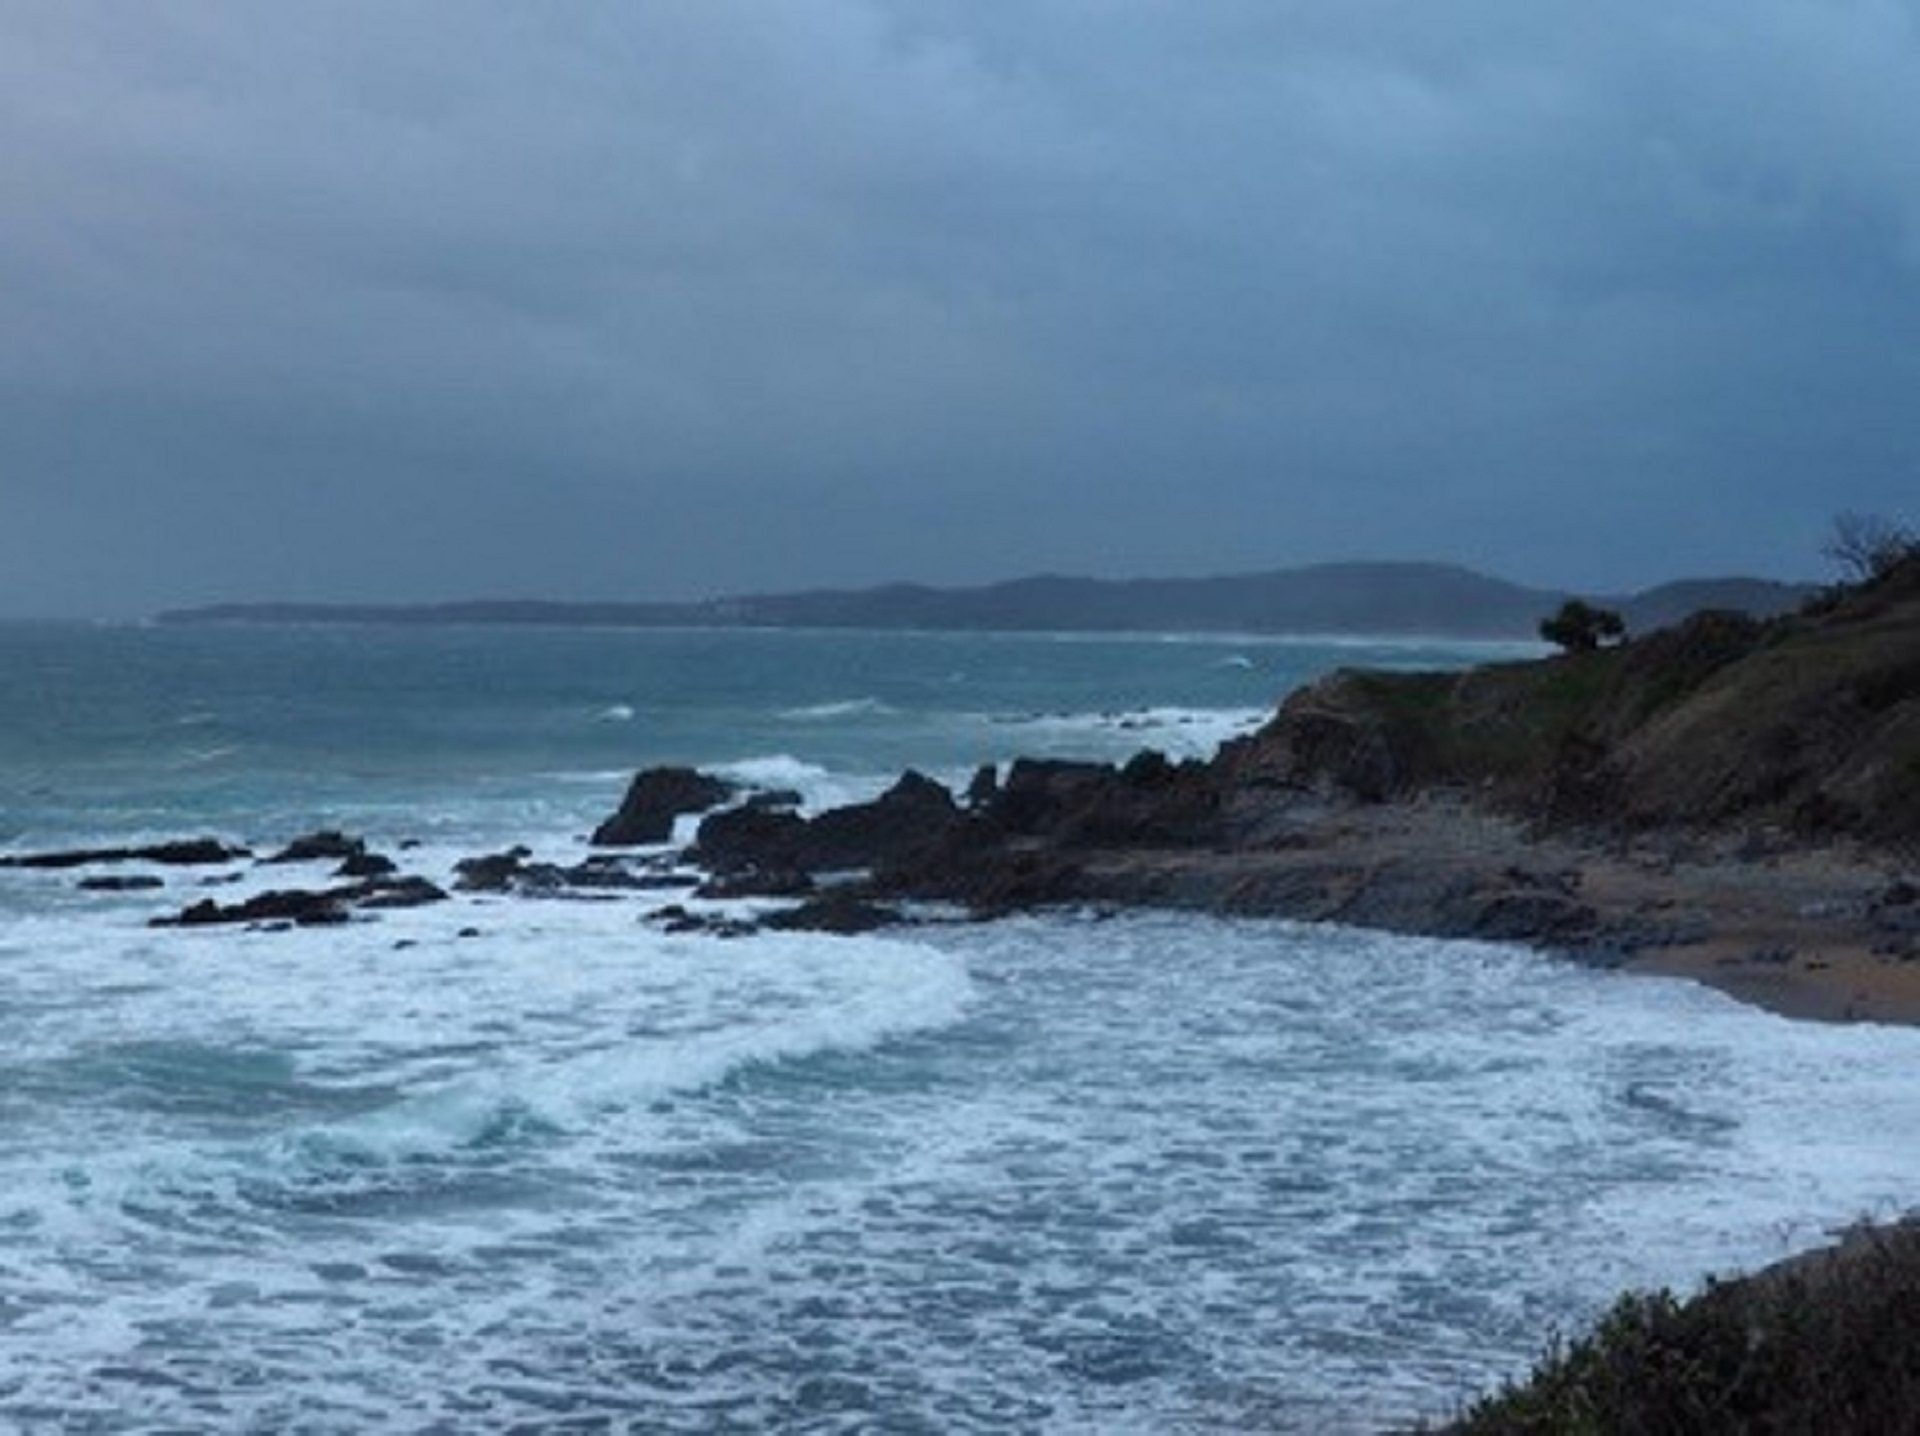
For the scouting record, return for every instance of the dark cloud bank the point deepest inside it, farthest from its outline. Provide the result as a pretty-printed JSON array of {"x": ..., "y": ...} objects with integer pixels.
[{"x": 398, "y": 301}]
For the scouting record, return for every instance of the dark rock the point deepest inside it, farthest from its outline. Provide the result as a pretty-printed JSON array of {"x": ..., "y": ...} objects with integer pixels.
[
  {"x": 986, "y": 878},
  {"x": 654, "y": 799},
  {"x": 752, "y": 882},
  {"x": 1147, "y": 767},
  {"x": 751, "y": 838},
  {"x": 915, "y": 813},
  {"x": 678, "y": 921},
  {"x": 296, "y": 906},
  {"x": 137, "y": 882},
  {"x": 837, "y": 912},
  {"x": 393, "y": 893},
  {"x": 1566, "y": 880},
  {"x": 307, "y": 908},
  {"x": 365, "y": 865},
  {"x": 775, "y": 798},
  {"x": 612, "y": 874},
  {"x": 492, "y": 872},
  {"x": 1545, "y": 917},
  {"x": 329, "y": 844},
  {"x": 186, "y": 853},
  {"x": 510, "y": 871},
  {"x": 985, "y": 786},
  {"x": 468, "y": 932},
  {"x": 1151, "y": 802},
  {"x": 1039, "y": 790}
]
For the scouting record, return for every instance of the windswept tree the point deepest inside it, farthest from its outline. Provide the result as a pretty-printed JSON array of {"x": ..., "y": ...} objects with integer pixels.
[
  {"x": 1579, "y": 627},
  {"x": 1869, "y": 546}
]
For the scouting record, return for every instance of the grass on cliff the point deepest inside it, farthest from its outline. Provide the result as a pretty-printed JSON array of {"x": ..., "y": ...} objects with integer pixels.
[
  {"x": 1809, "y": 721},
  {"x": 1830, "y": 1344},
  {"x": 1500, "y": 722}
]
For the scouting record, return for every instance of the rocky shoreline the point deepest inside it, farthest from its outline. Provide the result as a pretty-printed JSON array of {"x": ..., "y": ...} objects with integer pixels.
[
  {"x": 1823, "y": 930},
  {"x": 1827, "y": 931},
  {"x": 1728, "y": 800}
]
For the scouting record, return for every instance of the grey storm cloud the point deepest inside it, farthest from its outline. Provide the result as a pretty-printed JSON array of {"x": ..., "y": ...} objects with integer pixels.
[{"x": 408, "y": 300}]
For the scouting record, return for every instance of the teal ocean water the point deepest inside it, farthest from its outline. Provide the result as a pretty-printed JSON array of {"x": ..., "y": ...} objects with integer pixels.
[{"x": 1074, "y": 1172}]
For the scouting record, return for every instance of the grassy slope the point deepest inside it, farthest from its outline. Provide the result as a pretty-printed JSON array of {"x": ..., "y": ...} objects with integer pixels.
[{"x": 1810, "y": 721}]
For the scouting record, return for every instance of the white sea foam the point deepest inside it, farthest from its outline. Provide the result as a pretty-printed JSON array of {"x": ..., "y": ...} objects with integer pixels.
[
  {"x": 844, "y": 708},
  {"x": 615, "y": 713},
  {"x": 819, "y": 787},
  {"x": 1154, "y": 1173},
  {"x": 1181, "y": 732},
  {"x": 1150, "y": 1173},
  {"x": 204, "y": 757}
]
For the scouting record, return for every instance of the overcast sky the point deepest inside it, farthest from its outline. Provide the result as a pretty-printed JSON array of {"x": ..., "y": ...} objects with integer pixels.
[{"x": 398, "y": 300}]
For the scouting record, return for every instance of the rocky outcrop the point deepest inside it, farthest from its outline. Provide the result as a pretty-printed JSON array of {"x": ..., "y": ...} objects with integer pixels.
[
  {"x": 916, "y": 814},
  {"x": 678, "y": 921},
  {"x": 1149, "y": 802},
  {"x": 512, "y": 871},
  {"x": 837, "y": 911},
  {"x": 185, "y": 853},
  {"x": 654, "y": 799},
  {"x": 756, "y": 883},
  {"x": 326, "y": 845},
  {"x": 366, "y": 865},
  {"x": 1809, "y": 723},
  {"x": 307, "y": 908},
  {"x": 915, "y": 832}
]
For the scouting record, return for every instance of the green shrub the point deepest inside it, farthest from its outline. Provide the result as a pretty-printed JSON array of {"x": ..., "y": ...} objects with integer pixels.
[
  {"x": 1579, "y": 627},
  {"x": 1830, "y": 1344}
]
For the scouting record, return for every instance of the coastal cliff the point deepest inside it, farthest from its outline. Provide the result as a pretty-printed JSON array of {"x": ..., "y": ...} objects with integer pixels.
[
  {"x": 1730, "y": 799},
  {"x": 1808, "y": 722}
]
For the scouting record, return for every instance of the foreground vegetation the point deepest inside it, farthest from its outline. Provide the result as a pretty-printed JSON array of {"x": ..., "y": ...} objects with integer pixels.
[{"x": 1828, "y": 1343}]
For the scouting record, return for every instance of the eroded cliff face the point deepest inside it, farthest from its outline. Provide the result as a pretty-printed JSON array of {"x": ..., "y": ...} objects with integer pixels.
[{"x": 1809, "y": 722}]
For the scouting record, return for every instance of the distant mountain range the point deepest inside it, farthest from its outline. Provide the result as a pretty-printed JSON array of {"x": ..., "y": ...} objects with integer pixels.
[{"x": 1441, "y": 600}]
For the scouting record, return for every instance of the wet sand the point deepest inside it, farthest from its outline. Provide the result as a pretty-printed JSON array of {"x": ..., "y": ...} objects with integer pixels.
[{"x": 1824, "y": 933}]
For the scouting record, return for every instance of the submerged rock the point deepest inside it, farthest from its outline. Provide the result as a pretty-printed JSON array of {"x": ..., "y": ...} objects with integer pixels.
[
  {"x": 135, "y": 882},
  {"x": 328, "y": 844},
  {"x": 786, "y": 882},
  {"x": 307, "y": 907},
  {"x": 678, "y": 921},
  {"x": 394, "y": 892},
  {"x": 296, "y": 906},
  {"x": 491, "y": 872},
  {"x": 654, "y": 799},
  {"x": 837, "y": 912},
  {"x": 510, "y": 871}
]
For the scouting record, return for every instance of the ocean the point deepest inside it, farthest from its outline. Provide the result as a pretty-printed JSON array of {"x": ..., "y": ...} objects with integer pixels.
[{"x": 508, "y": 1163}]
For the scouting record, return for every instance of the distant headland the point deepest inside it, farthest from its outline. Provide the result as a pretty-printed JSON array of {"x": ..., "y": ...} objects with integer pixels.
[{"x": 1422, "y": 599}]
